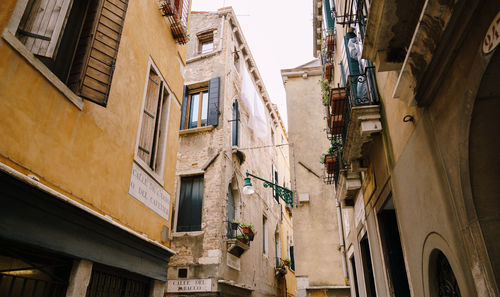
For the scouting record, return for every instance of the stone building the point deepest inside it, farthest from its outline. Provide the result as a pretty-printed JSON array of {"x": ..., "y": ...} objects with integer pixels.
[
  {"x": 90, "y": 103},
  {"x": 319, "y": 259},
  {"x": 228, "y": 127},
  {"x": 413, "y": 100}
]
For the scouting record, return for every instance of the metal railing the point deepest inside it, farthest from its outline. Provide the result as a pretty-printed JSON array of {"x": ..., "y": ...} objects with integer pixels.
[
  {"x": 178, "y": 17},
  {"x": 361, "y": 90}
]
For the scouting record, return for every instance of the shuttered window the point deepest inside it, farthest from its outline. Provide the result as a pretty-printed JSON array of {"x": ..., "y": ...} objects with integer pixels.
[
  {"x": 190, "y": 203},
  {"x": 97, "y": 50},
  {"x": 235, "y": 124},
  {"x": 78, "y": 40},
  {"x": 41, "y": 25},
  {"x": 200, "y": 106},
  {"x": 153, "y": 122}
]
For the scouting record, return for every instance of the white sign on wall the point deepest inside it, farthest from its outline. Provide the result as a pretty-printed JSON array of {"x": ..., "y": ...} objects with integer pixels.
[
  {"x": 189, "y": 285},
  {"x": 145, "y": 189},
  {"x": 233, "y": 262}
]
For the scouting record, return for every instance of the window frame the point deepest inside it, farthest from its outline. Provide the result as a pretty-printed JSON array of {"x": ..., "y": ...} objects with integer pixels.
[
  {"x": 158, "y": 173},
  {"x": 200, "y": 91},
  {"x": 205, "y": 37},
  {"x": 178, "y": 198}
]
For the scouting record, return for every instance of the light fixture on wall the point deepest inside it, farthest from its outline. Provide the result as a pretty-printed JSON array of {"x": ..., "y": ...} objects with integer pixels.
[{"x": 283, "y": 193}]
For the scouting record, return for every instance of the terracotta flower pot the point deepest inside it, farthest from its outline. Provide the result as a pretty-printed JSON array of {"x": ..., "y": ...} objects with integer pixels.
[
  {"x": 330, "y": 163},
  {"x": 248, "y": 232}
]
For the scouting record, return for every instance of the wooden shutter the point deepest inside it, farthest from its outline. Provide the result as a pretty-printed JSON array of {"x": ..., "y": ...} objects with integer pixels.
[
  {"x": 213, "y": 101},
  {"x": 150, "y": 119},
  {"x": 236, "y": 118},
  {"x": 184, "y": 108},
  {"x": 42, "y": 24},
  {"x": 190, "y": 203},
  {"x": 97, "y": 50}
]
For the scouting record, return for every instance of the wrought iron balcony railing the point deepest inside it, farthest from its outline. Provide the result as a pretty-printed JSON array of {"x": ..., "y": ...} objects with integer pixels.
[
  {"x": 361, "y": 90},
  {"x": 177, "y": 13}
]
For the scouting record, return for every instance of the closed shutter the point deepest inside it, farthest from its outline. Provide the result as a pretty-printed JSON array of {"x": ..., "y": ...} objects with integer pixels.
[
  {"x": 213, "y": 101},
  {"x": 236, "y": 118},
  {"x": 98, "y": 47},
  {"x": 190, "y": 202},
  {"x": 42, "y": 24},
  {"x": 183, "y": 108},
  {"x": 150, "y": 119}
]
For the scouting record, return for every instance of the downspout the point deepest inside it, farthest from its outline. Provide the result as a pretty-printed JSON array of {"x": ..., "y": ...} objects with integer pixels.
[{"x": 341, "y": 240}]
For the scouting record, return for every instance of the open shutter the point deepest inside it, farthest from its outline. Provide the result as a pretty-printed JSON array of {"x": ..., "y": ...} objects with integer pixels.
[
  {"x": 184, "y": 108},
  {"x": 213, "y": 101},
  {"x": 149, "y": 119},
  {"x": 41, "y": 25},
  {"x": 98, "y": 49}
]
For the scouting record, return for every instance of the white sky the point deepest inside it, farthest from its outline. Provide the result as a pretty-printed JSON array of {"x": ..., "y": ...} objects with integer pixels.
[{"x": 279, "y": 34}]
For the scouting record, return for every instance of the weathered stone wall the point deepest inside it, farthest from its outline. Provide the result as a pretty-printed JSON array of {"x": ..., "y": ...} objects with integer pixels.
[{"x": 204, "y": 252}]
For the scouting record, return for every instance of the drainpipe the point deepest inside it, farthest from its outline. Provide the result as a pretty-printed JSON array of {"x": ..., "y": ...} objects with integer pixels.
[{"x": 341, "y": 238}]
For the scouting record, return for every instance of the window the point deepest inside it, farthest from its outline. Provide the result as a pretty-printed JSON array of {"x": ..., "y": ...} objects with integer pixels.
[
  {"x": 77, "y": 40},
  {"x": 264, "y": 235},
  {"x": 235, "y": 124},
  {"x": 275, "y": 179},
  {"x": 367, "y": 267},
  {"x": 205, "y": 42},
  {"x": 200, "y": 106},
  {"x": 236, "y": 61},
  {"x": 152, "y": 135},
  {"x": 190, "y": 201}
]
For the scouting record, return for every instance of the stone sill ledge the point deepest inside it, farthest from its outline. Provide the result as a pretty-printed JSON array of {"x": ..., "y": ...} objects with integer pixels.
[
  {"x": 19, "y": 47},
  {"x": 196, "y": 130}
]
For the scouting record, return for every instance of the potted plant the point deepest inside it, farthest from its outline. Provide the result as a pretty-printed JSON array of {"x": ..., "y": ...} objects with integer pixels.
[
  {"x": 248, "y": 230},
  {"x": 287, "y": 262},
  {"x": 242, "y": 238},
  {"x": 234, "y": 225}
]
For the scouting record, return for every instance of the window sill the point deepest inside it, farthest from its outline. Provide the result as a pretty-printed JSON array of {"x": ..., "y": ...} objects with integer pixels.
[
  {"x": 196, "y": 130},
  {"x": 189, "y": 233},
  {"x": 149, "y": 171},
  {"x": 38, "y": 65},
  {"x": 202, "y": 56}
]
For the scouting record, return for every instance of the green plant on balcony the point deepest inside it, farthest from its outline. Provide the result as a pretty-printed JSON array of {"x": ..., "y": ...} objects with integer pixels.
[
  {"x": 325, "y": 92},
  {"x": 242, "y": 238},
  {"x": 287, "y": 262},
  {"x": 248, "y": 230}
]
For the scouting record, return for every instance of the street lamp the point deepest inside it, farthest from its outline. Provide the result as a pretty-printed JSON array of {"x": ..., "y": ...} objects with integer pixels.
[{"x": 283, "y": 193}]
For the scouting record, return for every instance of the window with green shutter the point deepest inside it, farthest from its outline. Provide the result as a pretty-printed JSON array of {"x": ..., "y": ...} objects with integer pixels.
[{"x": 190, "y": 204}]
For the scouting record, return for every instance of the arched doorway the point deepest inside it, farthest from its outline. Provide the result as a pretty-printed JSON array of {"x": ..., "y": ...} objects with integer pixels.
[
  {"x": 442, "y": 279},
  {"x": 484, "y": 160}
]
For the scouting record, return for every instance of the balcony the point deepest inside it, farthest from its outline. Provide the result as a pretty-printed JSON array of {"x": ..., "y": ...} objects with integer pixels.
[
  {"x": 177, "y": 13},
  {"x": 239, "y": 238},
  {"x": 353, "y": 115}
]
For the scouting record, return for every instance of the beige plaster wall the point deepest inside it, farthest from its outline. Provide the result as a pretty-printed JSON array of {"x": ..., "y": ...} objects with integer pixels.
[
  {"x": 87, "y": 154},
  {"x": 315, "y": 223}
]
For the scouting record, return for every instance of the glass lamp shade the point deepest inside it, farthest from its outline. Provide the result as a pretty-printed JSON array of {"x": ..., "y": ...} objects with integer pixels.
[{"x": 248, "y": 188}]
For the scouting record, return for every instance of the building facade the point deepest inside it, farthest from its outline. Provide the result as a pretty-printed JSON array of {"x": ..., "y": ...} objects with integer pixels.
[
  {"x": 90, "y": 103},
  {"x": 229, "y": 127},
  {"x": 411, "y": 101},
  {"x": 319, "y": 251}
]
